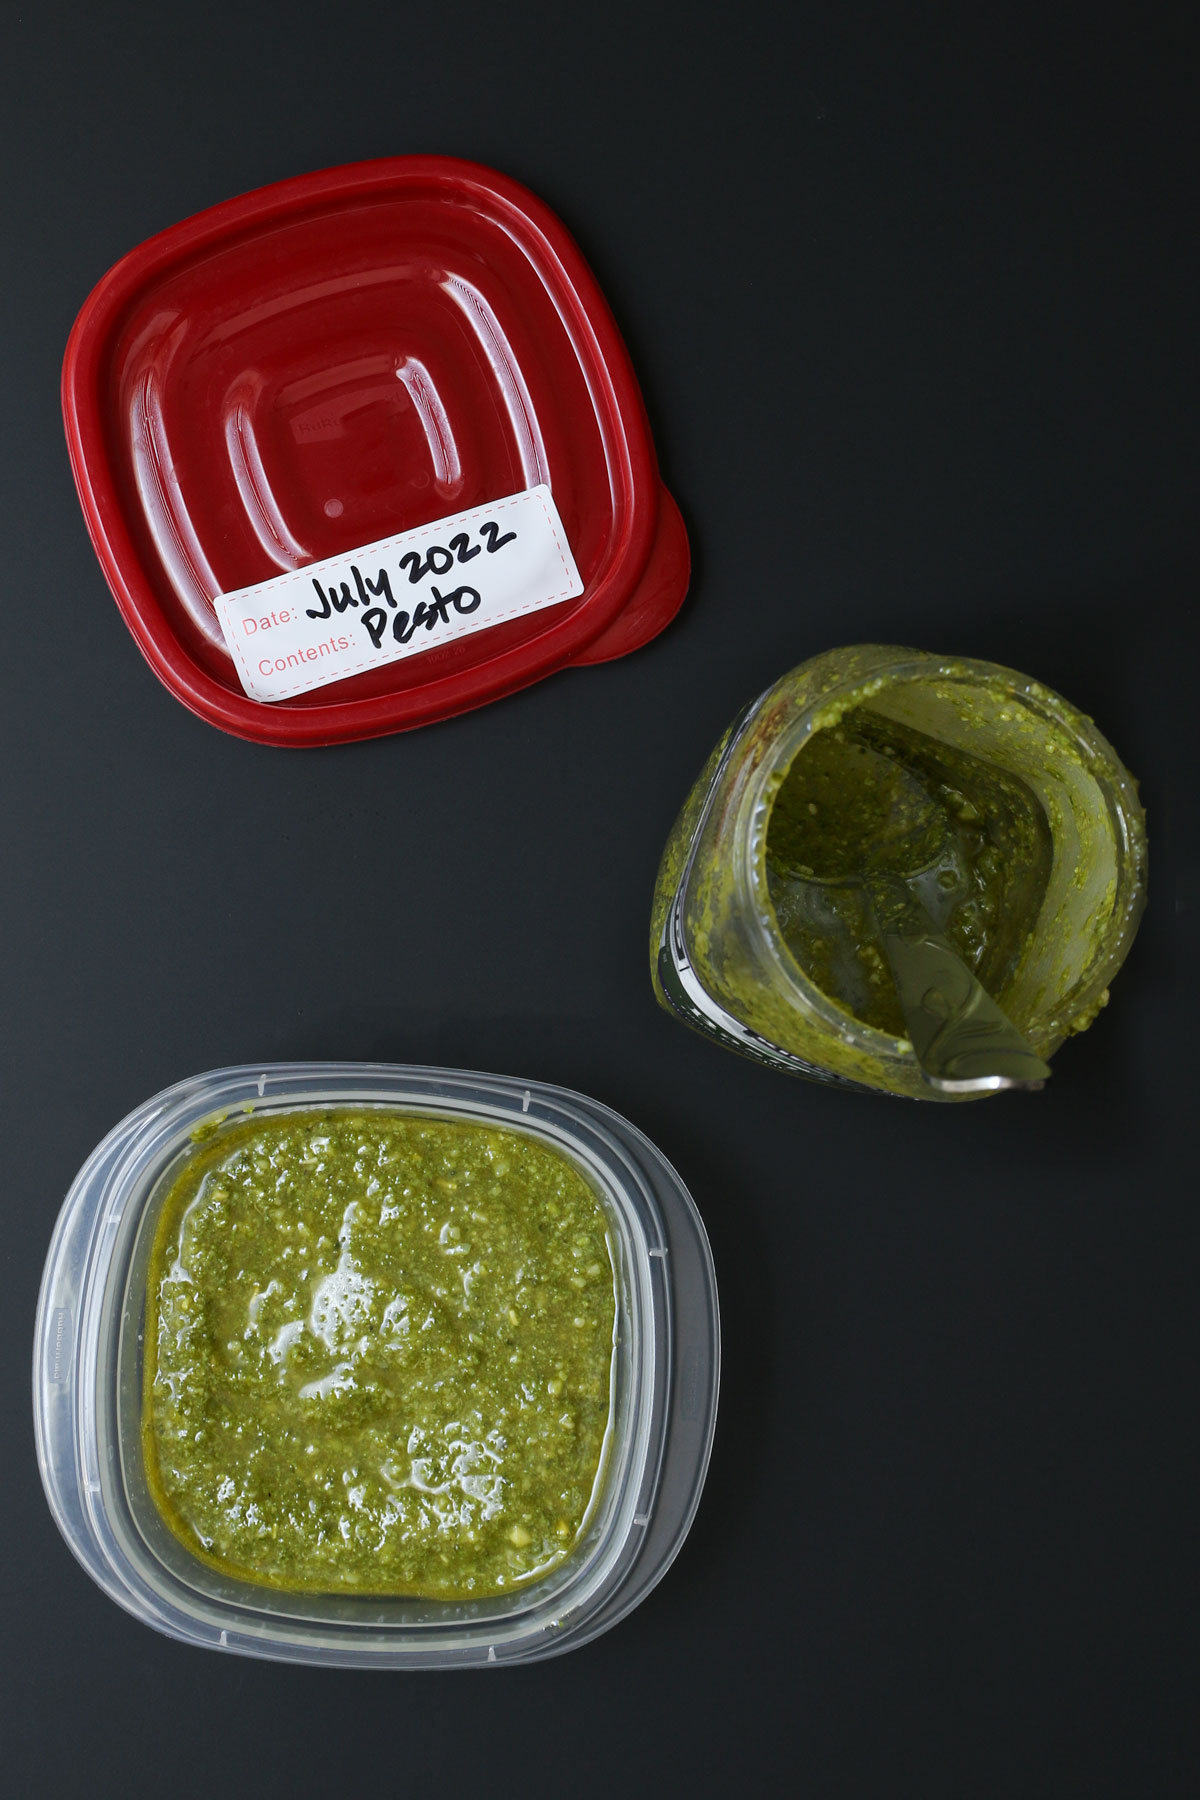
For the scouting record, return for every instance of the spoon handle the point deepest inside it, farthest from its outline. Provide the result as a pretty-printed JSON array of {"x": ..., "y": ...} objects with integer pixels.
[{"x": 963, "y": 1041}]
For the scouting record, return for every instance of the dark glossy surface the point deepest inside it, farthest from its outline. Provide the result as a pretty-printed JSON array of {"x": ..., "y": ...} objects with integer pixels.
[
  {"x": 339, "y": 358},
  {"x": 908, "y": 292}
]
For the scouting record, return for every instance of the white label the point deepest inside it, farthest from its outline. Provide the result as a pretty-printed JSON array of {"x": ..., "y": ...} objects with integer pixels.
[{"x": 402, "y": 595}]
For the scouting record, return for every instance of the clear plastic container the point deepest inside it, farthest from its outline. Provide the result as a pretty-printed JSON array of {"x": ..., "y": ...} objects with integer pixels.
[
  {"x": 719, "y": 960},
  {"x": 87, "y": 1383}
]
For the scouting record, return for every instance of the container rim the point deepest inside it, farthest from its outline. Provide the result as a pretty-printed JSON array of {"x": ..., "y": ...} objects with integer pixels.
[{"x": 657, "y": 1472}]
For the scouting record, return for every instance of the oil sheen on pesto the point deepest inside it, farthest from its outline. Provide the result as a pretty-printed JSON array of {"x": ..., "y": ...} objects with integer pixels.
[
  {"x": 868, "y": 800},
  {"x": 378, "y": 1353}
]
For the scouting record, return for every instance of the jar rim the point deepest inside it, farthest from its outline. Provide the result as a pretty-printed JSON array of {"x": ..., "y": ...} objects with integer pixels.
[{"x": 896, "y": 666}]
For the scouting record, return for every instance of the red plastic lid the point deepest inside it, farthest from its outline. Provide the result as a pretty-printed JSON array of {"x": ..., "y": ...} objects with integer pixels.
[{"x": 232, "y": 410}]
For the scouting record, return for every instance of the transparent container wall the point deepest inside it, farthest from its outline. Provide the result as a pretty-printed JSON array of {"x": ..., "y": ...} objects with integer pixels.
[{"x": 88, "y": 1392}]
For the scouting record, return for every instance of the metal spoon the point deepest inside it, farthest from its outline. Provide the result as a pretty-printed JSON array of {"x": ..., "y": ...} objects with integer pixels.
[
  {"x": 962, "y": 1039},
  {"x": 964, "y": 1042}
]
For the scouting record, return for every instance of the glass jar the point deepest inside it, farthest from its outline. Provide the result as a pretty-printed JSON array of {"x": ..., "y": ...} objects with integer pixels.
[{"x": 719, "y": 959}]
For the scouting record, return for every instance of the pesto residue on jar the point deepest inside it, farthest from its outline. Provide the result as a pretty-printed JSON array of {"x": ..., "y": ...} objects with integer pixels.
[
  {"x": 378, "y": 1353},
  {"x": 717, "y": 952},
  {"x": 869, "y": 799}
]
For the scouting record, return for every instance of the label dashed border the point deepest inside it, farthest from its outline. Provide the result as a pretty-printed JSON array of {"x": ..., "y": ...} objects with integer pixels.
[{"x": 382, "y": 547}]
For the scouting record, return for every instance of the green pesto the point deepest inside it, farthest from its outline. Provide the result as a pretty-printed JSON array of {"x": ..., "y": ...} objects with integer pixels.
[
  {"x": 378, "y": 1353},
  {"x": 869, "y": 798}
]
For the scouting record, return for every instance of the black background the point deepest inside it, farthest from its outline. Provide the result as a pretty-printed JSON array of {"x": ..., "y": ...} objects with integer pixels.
[{"x": 905, "y": 287}]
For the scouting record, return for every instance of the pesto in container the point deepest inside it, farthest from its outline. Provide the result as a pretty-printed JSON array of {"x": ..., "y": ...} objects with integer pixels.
[
  {"x": 378, "y": 1353},
  {"x": 999, "y": 805}
]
